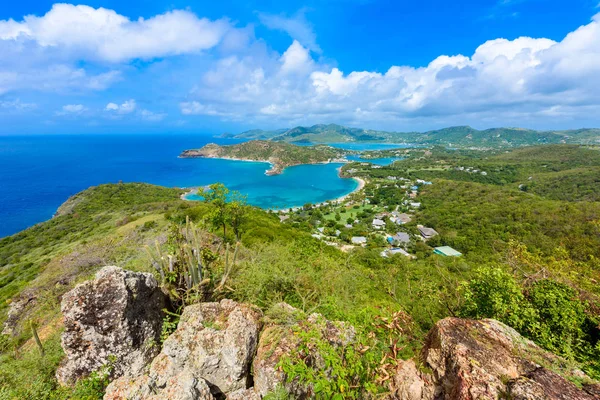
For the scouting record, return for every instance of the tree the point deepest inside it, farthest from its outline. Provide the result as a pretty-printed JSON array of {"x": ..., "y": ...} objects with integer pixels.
[
  {"x": 216, "y": 194},
  {"x": 238, "y": 211}
]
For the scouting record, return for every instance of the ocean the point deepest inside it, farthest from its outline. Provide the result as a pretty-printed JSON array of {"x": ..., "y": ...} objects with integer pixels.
[{"x": 38, "y": 173}]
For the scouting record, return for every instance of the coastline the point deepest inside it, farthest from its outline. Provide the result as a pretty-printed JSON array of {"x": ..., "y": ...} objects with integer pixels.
[
  {"x": 361, "y": 182},
  {"x": 274, "y": 169},
  {"x": 361, "y": 186}
]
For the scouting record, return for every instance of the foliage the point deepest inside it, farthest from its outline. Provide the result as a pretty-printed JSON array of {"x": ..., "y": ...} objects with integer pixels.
[
  {"x": 29, "y": 375},
  {"x": 546, "y": 311}
]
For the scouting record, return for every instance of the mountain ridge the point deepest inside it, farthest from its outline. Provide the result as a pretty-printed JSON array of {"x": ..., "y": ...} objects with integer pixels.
[{"x": 458, "y": 136}]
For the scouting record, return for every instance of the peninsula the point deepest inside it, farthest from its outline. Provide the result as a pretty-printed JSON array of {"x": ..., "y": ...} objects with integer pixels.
[{"x": 279, "y": 154}]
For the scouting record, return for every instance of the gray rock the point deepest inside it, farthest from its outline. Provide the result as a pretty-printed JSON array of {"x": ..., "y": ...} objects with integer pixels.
[
  {"x": 183, "y": 386},
  {"x": 213, "y": 341},
  {"x": 114, "y": 319},
  {"x": 18, "y": 310}
]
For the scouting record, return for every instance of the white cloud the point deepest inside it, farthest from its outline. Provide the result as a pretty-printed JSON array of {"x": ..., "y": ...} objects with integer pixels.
[
  {"x": 99, "y": 33},
  {"x": 296, "y": 26},
  {"x": 503, "y": 80},
  {"x": 152, "y": 116},
  {"x": 17, "y": 106},
  {"x": 296, "y": 59},
  {"x": 196, "y": 108},
  {"x": 126, "y": 107},
  {"x": 72, "y": 109}
]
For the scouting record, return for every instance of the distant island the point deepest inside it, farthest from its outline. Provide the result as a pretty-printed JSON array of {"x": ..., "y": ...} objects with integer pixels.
[
  {"x": 458, "y": 136},
  {"x": 279, "y": 154}
]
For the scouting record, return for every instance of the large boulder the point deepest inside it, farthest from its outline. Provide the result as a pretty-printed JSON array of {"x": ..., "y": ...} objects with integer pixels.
[
  {"x": 214, "y": 342},
  {"x": 486, "y": 359},
  {"x": 280, "y": 339},
  {"x": 114, "y": 320},
  {"x": 410, "y": 383},
  {"x": 184, "y": 385}
]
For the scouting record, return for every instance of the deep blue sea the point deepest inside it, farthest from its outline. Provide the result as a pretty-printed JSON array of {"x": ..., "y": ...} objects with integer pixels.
[{"x": 38, "y": 173}]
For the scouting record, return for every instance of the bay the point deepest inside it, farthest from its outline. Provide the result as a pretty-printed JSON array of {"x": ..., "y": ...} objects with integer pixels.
[{"x": 38, "y": 173}]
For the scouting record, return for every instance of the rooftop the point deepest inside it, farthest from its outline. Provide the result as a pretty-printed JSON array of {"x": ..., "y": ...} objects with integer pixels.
[{"x": 447, "y": 251}]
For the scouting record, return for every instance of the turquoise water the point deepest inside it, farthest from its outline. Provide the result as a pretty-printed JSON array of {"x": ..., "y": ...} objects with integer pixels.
[
  {"x": 38, "y": 173},
  {"x": 378, "y": 161},
  {"x": 296, "y": 186}
]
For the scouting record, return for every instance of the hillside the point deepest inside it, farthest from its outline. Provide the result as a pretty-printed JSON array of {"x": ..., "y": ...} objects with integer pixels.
[
  {"x": 295, "y": 285},
  {"x": 279, "y": 154},
  {"x": 458, "y": 136}
]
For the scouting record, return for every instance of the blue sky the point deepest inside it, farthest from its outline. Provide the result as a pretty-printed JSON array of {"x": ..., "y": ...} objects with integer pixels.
[{"x": 145, "y": 66}]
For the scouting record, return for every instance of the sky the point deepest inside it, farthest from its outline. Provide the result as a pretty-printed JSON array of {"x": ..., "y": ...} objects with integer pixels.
[{"x": 188, "y": 66}]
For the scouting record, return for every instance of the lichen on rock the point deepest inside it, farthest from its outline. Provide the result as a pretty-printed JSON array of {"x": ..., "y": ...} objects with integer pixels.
[
  {"x": 215, "y": 342},
  {"x": 114, "y": 320}
]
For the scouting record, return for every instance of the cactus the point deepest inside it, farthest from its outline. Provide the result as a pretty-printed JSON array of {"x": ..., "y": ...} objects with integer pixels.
[{"x": 38, "y": 342}]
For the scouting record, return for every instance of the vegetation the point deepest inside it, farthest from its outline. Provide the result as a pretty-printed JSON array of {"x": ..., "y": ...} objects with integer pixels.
[
  {"x": 457, "y": 136},
  {"x": 530, "y": 259},
  {"x": 280, "y": 155}
]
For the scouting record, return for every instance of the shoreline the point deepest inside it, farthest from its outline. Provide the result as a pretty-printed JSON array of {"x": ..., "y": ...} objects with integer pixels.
[
  {"x": 275, "y": 169},
  {"x": 361, "y": 185}
]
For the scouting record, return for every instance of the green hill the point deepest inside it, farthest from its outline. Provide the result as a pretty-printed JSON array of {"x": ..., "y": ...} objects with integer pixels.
[
  {"x": 279, "y": 154},
  {"x": 457, "y": 136}
]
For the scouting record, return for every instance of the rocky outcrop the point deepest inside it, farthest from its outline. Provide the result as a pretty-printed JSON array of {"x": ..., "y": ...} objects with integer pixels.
[
  {"x": 279, "y": 340},
  {"x": 216, "y": 352},
  {"x": 484, "y": 360},
  {"x": 184, "y": 385},
  {"x": 112, "y": 320},
  {"x": 214, "y": 342},
  {"x": 409, "y": 383}
]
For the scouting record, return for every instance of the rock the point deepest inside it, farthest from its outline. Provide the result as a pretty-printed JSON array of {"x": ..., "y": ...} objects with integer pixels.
[
  {"x": 542, "y": 383},
  {"x": 18, "y": 310},
  {"x": 213, "y": 341},
  {"x": 244, "y": 394},
  {"x": 114, "y": 319},
  {"x": 183, "y": 386},
  {"x": 411, "y": 384},
  {"x": 487, "y": 359},
  {"x": 279, "y": 340}
]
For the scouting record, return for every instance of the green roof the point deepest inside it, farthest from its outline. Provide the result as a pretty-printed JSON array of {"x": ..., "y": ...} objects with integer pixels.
[{"x": 447, "y": 251}]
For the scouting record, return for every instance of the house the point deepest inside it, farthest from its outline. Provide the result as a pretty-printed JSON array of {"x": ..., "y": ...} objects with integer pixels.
[
  {"x": 378, "y": 223},
  {"x": 359, "y": 240},
  {"x": 321, "y": 229},
  {"x": 283, "y": 218},
  {"x": 412, "y": 195},
  {"x": 404, "y": 218},
  {"x": 447, "y": 251},
  {"x": 415, "y": 204},
  {"x": 426, "y": 233},
  {"x": 348, "y": 226},
  {"x": 421, "y": 181},
  {"x": 393, "y": 251},
  {"x": 415, "y": 188},
  {"x": 400, "y": 239},
  {"x": 391, "y": 178},
  {"x": 337, "y": 232}
]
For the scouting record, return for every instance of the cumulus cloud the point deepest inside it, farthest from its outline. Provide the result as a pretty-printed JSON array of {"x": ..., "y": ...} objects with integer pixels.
[
  {"x": 296, "y": 26},
  {"x": 72, "y": 109},
  {"x": 502, "y": 78},
  {"x": 126, "y": 107},
  {"x": 99, "y": 33}
]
